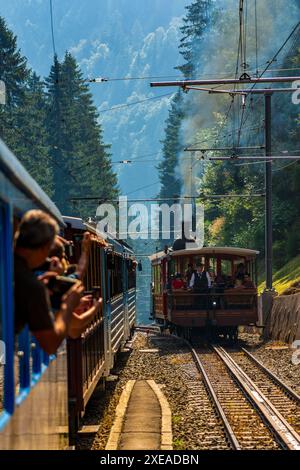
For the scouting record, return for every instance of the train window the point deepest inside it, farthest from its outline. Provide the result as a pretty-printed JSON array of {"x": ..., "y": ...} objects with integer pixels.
[
  {"x": 226, "y": 267},
  {"x": 213, "y": 264},
  {"x": 171, "y": 267}
]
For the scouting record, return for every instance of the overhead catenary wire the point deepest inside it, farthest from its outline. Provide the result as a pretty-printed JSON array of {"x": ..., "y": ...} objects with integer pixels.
[
  {"x": 52, "y": 28},
  {"x": 127, "y": 105},
  {"x": 284, "y": 166},
  {"x": 174, "y": 198},
  {"x": 242, "y": 122},
  {"x": 227, "y": 74}
]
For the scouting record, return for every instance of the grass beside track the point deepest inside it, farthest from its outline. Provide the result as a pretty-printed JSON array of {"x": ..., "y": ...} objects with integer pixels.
[{"x": 285, "y": 277}]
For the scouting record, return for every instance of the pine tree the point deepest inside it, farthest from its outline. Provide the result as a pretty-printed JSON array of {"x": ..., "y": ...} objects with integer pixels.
[
  {"x": 170, "y": 183},
  {"x": 56, "y": 137},
  {"x": 31, "y": 121},
  {"x": 195, "y": 23},
  {"x": 14, "y": 74},
  {"x": 82, "y": 160},
  {"x": 168, "y": 167},
  {"x": 22, "y": 118}
]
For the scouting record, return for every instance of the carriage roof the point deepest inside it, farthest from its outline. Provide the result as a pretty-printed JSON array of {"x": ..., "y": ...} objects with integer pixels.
[
  {"x": 228, "y": 252},
  {"x": 118, "y": 246},
  {"x": 12, "y": 169}
]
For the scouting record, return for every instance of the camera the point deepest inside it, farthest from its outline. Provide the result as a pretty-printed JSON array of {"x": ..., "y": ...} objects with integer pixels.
[
  {"x": 95, "y": 292},
  {"x": 58, "y": 286}
]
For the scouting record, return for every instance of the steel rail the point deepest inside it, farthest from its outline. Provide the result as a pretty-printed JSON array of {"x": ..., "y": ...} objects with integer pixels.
[
  {"x": 228, "y": 429},
  {"x": 276, "y": 422},
  {"x": 273, "y": 377}
]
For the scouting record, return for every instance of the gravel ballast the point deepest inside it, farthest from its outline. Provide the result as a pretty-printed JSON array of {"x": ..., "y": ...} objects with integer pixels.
[
  {"x": 169, "y": 363},
  {"x": 194, "y": 421}
]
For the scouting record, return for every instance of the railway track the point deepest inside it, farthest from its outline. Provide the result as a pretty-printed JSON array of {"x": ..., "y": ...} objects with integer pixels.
[
  {"x": 258, "y": 411},
  {"x": 211, "y": 435}
]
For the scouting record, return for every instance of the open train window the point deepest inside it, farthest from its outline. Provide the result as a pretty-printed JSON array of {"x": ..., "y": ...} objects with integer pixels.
[{"x": 157, "y": 279}]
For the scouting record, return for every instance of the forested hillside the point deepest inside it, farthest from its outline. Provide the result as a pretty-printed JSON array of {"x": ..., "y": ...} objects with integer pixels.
[
  {"x": 52, "y": 126},
  {"x": 209, "y": 49}
]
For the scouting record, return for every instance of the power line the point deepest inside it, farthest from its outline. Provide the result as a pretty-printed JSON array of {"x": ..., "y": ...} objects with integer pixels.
[
  {"x": 278, "y": 52},
  {"x": 228, "y": 134},
  {"x": 134, "y": 103},
  {"x": 143, "y": 187},
  {"x": 220, "y": 75},
  {"x": 244, "y": 119},
  {"x": 52, "y": 28},
  {"x": 285, "y": 166}
]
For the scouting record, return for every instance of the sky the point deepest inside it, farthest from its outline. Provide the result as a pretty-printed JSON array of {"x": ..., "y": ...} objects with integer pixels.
[{"x": 111, "y": 39}]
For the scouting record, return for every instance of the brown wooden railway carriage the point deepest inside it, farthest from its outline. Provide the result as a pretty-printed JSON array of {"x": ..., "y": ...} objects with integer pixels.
[
  {"x": 222, "y": 307},
  {"x": 111, "y": 270}
]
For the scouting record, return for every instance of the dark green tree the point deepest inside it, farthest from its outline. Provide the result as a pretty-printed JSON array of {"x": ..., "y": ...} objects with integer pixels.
[
  {"x": 22, "y": 118},
  {"x": 82, "y": 164},
  {"x": 196, "y": 21},
  {"x": 168, "y": 167},
  {"x": 172, "y": 146},
  {"x": 34, "y": 151},
  {"x": 14, "y": 74}
]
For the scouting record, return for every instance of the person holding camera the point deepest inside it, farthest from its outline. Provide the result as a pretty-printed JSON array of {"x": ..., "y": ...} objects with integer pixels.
[{"x": 33, "y": 241}]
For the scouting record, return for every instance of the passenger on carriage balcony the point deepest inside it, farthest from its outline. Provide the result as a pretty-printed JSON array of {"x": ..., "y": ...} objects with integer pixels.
[
  {"x": 189, "y": 272},
  {"x": 33, "y": 241},
  {"x": 201, "y": 284},
  {"x": 240, "y": 272},
  {"x": 248, "y": 283},
  {"x": 200, "y": 279},
  {"x": 177, "y": 283}
]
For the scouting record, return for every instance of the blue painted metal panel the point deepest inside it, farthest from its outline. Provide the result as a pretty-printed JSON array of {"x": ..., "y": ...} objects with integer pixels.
[
  {"x": 18, "y": 193},
  {"x": 7, "y": 305},
  {"x": 24, "y": 360}
]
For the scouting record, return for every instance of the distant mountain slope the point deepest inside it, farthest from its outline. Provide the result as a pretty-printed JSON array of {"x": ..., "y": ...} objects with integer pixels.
[{"x": 113, "y": 39}]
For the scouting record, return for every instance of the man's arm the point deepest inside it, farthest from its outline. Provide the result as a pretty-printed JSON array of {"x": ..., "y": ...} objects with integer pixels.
[
  {"x": 80, "y": 322},
  {"x": 50, "y": 339},
  {"x": 84, "y": 258}
]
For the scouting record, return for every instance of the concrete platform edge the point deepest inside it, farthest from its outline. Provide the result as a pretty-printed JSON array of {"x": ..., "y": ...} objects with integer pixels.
[
  {"x": 166, "y": 417},
  {"x": 115, "y": 433}
]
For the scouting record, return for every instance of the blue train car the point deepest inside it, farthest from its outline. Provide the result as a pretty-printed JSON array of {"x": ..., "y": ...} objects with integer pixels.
[
  {"x": 33, "y": 386},
  {"x": 43, "y": 398}
]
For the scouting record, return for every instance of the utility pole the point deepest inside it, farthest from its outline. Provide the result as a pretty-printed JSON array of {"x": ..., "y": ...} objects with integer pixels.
[{"x": 192, "y": 85}]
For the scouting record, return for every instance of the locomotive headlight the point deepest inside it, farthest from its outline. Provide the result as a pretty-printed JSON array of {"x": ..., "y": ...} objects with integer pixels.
[{"x": 214, "y": 304}]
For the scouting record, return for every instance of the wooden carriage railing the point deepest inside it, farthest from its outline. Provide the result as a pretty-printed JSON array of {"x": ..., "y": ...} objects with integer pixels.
[
  {"x": 86, "y": 362},
  {"x": 229, "y": 299}
]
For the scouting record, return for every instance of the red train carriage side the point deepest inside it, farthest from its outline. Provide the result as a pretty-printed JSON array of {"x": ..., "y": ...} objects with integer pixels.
[{"x": 227, "y": 303}]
